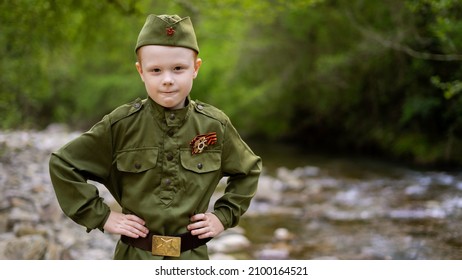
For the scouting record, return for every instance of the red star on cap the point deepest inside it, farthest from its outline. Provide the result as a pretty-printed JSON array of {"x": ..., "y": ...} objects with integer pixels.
[{"x": 170, "y": 31}]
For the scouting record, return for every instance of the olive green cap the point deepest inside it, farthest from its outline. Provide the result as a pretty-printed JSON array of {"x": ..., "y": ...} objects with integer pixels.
[{"x": 167, "y": 30}]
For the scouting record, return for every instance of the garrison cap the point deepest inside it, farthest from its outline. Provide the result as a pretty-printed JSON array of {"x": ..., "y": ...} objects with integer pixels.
[{"x": 167, "y": 30}]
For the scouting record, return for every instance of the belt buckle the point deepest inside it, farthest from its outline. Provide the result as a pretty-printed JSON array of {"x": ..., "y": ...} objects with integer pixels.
[{"x": 168, "y": 246}]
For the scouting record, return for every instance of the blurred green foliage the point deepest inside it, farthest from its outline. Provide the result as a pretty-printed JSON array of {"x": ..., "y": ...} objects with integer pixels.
[{"x": 369, "y": 76}]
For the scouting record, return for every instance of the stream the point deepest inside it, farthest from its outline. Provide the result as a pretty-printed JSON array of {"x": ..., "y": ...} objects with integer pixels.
[{"x": 335, "y": 207}]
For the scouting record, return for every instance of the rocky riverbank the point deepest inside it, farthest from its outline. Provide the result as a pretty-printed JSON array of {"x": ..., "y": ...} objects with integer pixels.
[{"x": 333, "y": 210}]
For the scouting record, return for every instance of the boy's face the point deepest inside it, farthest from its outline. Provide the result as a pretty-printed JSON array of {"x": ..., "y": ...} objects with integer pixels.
[{"x": 168, "y": 73}]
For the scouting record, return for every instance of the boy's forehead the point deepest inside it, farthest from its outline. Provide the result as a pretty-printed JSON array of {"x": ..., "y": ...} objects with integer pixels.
[
  {"x": 165, "y": 54},
  {"x": 167, "y": 30}
]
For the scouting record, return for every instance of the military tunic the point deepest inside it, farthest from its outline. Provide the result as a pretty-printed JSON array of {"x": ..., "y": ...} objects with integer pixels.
[{"x": 141, "y": 152}]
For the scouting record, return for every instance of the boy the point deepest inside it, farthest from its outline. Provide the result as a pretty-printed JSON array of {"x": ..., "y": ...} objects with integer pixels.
[{"x": 161, "y": 158}]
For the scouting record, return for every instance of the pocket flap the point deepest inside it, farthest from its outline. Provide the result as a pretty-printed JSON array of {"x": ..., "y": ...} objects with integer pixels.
[
  {"x": 207, "y": 161},
  {"x": 136, "y": 161}
]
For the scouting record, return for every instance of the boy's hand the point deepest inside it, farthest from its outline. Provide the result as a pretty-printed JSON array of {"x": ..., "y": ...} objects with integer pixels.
[
  {"x": 205, "y": 225},
  {"x": 128, "y": 225}
]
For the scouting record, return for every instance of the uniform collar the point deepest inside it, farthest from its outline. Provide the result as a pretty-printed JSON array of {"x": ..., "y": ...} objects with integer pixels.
[{"x": 168, "y": 116}]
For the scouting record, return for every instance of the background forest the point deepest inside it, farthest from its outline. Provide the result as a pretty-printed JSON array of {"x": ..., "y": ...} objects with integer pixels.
[{"x": 375, "y": 77}]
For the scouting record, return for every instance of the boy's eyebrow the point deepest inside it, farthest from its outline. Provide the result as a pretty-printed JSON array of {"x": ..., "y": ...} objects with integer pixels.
[
  {"x": 173, "y": 65},
  {"x": 170, "y": 63}
]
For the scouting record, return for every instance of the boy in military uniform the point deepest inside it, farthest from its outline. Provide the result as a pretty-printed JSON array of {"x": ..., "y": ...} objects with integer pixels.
[{"x": 161, "y": 158}]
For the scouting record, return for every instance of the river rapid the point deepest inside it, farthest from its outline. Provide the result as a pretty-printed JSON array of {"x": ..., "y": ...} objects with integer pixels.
[{"x": 308, "y": 206}]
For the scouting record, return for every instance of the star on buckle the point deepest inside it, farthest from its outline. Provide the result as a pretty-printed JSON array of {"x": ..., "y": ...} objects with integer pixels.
[{"x": 168, "y": 246}]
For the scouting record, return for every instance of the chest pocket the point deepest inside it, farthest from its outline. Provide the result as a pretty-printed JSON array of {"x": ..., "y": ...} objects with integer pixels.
[
  {"x": 205, "y": 162},
  {"x": 136, "y": 161}
]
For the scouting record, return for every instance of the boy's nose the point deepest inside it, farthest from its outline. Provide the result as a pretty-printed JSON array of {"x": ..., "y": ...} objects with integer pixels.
[{"x": 168, "y": 81}]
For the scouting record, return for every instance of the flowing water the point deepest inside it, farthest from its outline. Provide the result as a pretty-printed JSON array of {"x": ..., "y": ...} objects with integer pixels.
[{"x": 333, "y": 207}]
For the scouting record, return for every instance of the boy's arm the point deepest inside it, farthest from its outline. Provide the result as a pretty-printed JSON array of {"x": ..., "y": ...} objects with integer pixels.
[
  {"x": 87, "y": 157},
  {"x": 243, "y": 168}
]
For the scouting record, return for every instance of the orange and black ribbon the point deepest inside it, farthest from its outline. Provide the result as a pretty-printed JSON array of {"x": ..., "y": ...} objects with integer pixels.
[{"x": 200, "y": 142}]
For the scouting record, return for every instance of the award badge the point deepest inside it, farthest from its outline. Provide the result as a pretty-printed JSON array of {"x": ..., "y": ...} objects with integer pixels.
[{"x": 200, "y": 142}]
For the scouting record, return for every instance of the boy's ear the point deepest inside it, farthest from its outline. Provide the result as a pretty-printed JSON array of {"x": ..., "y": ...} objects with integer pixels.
[
  {"x": 139, "y": 68},
  {"x": 197, "y": 65}
]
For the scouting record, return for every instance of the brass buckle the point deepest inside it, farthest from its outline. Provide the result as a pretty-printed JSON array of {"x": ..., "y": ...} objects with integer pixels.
[{"x": 168, "y": 246}]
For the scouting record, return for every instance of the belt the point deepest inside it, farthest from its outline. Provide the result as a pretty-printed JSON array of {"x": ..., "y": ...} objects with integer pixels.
[{"x": 160, "y": 245}]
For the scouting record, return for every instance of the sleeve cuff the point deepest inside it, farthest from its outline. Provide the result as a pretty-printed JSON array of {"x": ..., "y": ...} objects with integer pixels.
[{"x": 225, "y": 222}]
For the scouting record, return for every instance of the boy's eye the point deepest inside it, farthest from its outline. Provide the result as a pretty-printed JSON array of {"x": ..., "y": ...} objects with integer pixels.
[
  {"x": 156, "y": 70},
  {"x": 178, "y": 68}
]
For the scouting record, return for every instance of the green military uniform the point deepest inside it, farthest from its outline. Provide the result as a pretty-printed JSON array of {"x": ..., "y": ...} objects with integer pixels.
[
  {"x": 141, "y": 152},
  {"x": 161, "y": 165}
]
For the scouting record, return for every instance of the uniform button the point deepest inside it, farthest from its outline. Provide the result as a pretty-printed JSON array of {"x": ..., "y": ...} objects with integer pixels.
[
  {"x": 136, "y": 105},
  {"x": 200, "y": 107},
  {"x": 199, "y": 165},
  {"x": 172, "y": 116},
  {"x": 137, "y": 165},
  {"x": 169, "y": 157},
  {"x": 167, "y": 182},
  {"x": 170, "y": 133}
]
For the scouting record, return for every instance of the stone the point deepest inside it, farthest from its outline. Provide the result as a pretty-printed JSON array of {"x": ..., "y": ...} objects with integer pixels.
[
  {"x": 29, "y": 247},
  {"x": 229, "y": 243}
]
